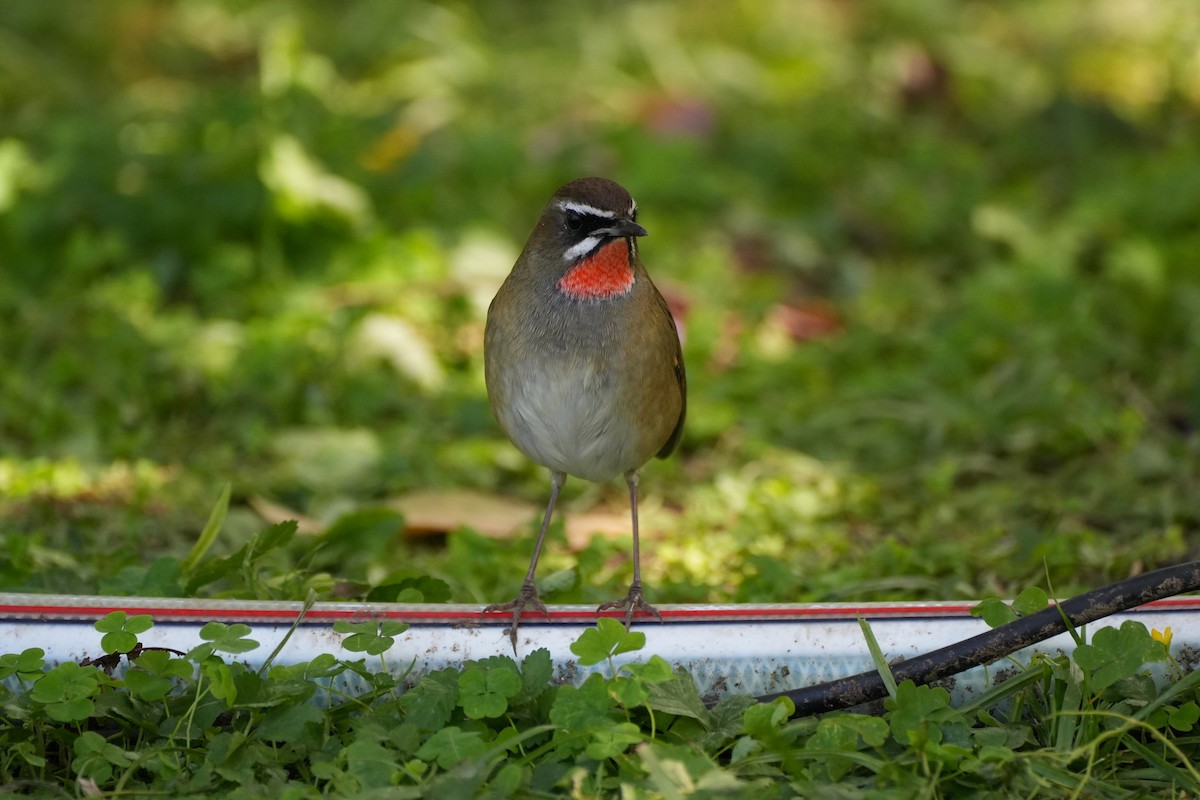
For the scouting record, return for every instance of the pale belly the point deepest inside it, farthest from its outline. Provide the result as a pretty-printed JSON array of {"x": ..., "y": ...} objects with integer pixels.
[{"x": 579, "y": 421}]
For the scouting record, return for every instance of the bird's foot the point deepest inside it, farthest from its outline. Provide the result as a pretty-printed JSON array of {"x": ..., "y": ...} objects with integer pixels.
[
  {"x": 528, "y": 596},
  {"x": 634, "y": 601}
]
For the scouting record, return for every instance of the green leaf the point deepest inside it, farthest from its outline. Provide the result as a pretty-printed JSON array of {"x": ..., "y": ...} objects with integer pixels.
[
  {"x": 655, "y": 670},
  {"x": 391, "y": 627},
  {"x": 508, "y": 779},
  {"x": 678, "y": 772},
  {"x": 89, "y": 743},
  {"x": 431, "y": 702},
  {"x": 120, "y": 632},
  {"x": 224, "y": 638},
  {"x": 725, "y": 718},
  {"x": 160, "y": 579},
  {"x": 118, "y": 642},
  {"x": 220, "y": 677},
  {"x": 1184, "y": 718},
  {"x": 915, "y": 712},
  {"x": 843, "y": 733},
  {"x": 742, "y": 748},
  {"x": 215, "y": 569},
  {"x": 372, "y": 765},
  {"x": 234, "y": 755},
  {"x": 410, "y": 587},
  {"x": 611, "y": 739},
  {"x": 287, "y": 723},
  {"x": 877, "y": 657},
  {"x": 607, "y": 639},
  {"x": 161, "y": 662},
  {"x": 273, "y": 537},
  {"x": 872, "y": 730},
  {"x": 95, "y": 757},
  {"x": 372, "y": 636},
  {"x": 26, "y": 665},
  {"x": 365, "y": 533},
  {"x": 484, "y": 693},
  {"x": 148, "y": 687},
  {"x": 178, "y": 668},
  {"x": 29, "y": 753},
  {"x": 71, "y": 710},
  {"x": 994, "y": 611},
  {"x": 628, "y": 692},
  {"x": 1030, "y": 601},
  {"x": 1137, "y": 689},
  {"x": 1116, "y": 653},
  {"x": 679, "y": 697},
  {"x": 536, "y": 671},
  {"x": 67, "y": 692},
  {"x": 582, "y": 707},
  {"x": 451, "y": 745},
  {"x": 949, "y": 755},
  {"x": 763, "y": 720},
  {"x": 113, "y": 621},
  {"x": 208, "y": 535},
  {"x": 324, "y": 665}
]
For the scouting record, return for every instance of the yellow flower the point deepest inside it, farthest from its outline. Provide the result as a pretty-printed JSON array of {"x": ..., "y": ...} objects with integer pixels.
[{"x": 1163, "y": 636}]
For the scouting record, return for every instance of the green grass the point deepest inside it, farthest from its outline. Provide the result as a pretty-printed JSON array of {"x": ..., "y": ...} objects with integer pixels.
[
  {"x": 204, "y": 722},
  {"x": 213, "y": 219}
]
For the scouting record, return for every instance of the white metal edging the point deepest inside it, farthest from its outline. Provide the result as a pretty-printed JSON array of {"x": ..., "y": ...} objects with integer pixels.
[{"x": 727, "y": 649}]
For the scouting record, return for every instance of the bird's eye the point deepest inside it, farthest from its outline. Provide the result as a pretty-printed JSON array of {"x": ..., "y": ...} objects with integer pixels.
[{"x": 574, "y": 220}]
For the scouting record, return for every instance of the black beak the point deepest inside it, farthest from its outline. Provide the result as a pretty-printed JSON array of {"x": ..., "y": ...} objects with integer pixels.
[{"x": 622, "y": 228}]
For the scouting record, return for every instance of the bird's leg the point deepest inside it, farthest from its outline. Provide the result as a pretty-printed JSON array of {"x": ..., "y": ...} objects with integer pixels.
[
  {"x": 635, "y": 600},
  {"x": 528, "y": 595}
]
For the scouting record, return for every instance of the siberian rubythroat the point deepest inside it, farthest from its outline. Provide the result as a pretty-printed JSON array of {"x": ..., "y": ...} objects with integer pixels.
[{"x": 582, "y": 359}]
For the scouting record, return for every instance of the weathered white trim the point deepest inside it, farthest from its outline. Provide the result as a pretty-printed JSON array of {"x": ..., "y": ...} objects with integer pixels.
[{"x": 750, "y": 649}]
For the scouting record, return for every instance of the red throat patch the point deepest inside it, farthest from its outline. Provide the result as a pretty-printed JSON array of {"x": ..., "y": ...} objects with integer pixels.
[{"x": 606, "y": 273}]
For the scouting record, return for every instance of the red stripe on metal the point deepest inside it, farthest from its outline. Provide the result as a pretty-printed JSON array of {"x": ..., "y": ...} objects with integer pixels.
[
  {"x": 497, "y": 616},
  {"x": 199, "y": 611}
]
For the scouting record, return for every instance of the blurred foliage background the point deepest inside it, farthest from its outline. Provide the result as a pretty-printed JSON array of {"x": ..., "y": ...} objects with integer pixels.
[{"x": 938, "y": 264}]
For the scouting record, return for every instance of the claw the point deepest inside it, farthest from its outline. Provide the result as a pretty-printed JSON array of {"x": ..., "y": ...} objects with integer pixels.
[
  {"x": 528, "y": 596},
  {"x": 634, "y": 601}
]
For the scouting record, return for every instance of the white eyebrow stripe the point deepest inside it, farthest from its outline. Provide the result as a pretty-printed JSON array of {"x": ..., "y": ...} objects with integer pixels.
[
  {"x": 583, "y": 208},
  {"x": 633, "y": 208},
  {"x": 581, "y": 248}
]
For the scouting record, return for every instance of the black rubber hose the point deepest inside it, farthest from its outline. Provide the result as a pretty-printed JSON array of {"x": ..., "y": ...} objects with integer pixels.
[{"x": 999, "y": 642}]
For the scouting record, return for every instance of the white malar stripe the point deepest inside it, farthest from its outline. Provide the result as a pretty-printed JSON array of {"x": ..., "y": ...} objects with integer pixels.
[
  {"x": 581, "y": 248},
  {"x": 583, "y": 208}
]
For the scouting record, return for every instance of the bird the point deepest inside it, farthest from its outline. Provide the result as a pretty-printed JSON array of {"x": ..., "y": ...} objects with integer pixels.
[{"x": 583, "y": 363}]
